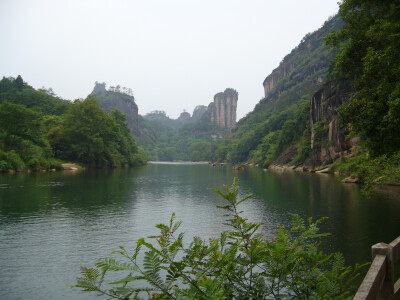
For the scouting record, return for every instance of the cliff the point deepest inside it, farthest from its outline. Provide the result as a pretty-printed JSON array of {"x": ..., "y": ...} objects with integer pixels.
[
  {"x": 222, "y": 111},
  {"x": 328, "y": 137},
  {"x": 121, "y": 99},
  {"x": 308, "y": 58}
]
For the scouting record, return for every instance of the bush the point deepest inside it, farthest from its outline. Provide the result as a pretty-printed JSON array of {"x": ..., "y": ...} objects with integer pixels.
[
  {"x": 11, "y": 161},
  {"x": 3, "y": 166},
  {"x": 371, "y": 172},
  {"x": 238, "y": 265}
]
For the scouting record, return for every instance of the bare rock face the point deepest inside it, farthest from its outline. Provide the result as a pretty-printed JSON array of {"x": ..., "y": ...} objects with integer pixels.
[
  {"x": 309, "y": 59},
  {"x": 278, "y": 74},
  {"x": 328, "y": 139},
  {"x": 223, "y": 110},
  {"x": 121, "y": 99}
]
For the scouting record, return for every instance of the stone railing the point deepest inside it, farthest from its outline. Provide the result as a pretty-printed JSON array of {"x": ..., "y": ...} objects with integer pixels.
[{"x": 379, "y": 283}]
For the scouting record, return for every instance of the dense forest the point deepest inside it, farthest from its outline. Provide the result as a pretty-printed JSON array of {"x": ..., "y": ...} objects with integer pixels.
[
  {"x": 187, "y": 140},
  {"x": 39, "y": 131}
]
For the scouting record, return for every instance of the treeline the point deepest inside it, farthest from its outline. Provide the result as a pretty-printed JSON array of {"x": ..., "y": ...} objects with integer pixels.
[
  {"x": 38, "y": 131},
  {"x": 167, "y": 140}
]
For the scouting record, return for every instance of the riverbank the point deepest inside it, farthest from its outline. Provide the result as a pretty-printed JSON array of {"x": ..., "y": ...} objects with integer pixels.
[{"x": 360, "y": 169}]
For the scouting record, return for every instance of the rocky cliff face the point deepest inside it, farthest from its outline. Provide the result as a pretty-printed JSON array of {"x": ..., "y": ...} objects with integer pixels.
[
  {"x": 223, "y": 110},
  {"x": 328, "y": 139},
  {"x": 123, "y": 100},
  {"x": 308, "y": 58}
]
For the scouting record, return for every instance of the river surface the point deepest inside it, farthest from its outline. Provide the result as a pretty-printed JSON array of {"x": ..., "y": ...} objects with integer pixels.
[{"x": 53, "y": 223}]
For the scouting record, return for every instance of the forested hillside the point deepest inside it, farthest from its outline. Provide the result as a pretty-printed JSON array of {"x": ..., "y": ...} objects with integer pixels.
[
  {"x": 281, "y": 118},
  {"x": 336, "y": 107},
  {"x": 38, "y": 131},
  {"x": 168, "y": 139},
  {"x": 369, "y": 57}
]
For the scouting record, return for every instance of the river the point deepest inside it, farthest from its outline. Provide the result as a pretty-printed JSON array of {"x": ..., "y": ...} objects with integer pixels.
[{"x": 52, "y": 223}]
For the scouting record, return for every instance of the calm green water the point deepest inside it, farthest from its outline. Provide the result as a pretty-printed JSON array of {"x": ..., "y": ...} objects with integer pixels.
[{"x": 52, "y": 223}]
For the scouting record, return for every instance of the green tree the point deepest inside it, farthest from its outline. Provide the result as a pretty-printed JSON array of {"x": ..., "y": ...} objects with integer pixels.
[
  {"x": 368, "y": 55},
  {"x": 200, "y": 151},
  {"x": 17, "y": 121},
  {"x": 92, "y": 136},
  {"x": 19, "y": 83}
]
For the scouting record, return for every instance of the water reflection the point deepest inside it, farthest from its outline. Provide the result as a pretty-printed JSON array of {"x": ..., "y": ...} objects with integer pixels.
[{"x": 51, "y": 223}]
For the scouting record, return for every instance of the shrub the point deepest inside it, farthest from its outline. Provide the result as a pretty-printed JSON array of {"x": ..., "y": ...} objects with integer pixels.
[
  {"x": 238, "y": 265},
  {"x": 13, "y": 160}
]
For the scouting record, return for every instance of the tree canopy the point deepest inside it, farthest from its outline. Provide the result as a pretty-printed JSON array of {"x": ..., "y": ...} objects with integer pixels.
[{"x": 369, "y": 56}]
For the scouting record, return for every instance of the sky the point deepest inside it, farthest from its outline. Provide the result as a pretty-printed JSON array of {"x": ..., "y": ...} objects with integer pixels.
[{"x": 173, "y": 54}]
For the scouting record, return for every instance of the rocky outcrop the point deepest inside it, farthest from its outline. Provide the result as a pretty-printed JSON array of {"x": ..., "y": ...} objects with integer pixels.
[
  {"x": 184, "y": 117},
  {"x": 198, "y": 112},
  {"x": 223, "y": 110},
  {"x": 328, "y": 139},
  {"x": 121, "y": 99},
  {"x": 197, "y": 115},
  {"x": 309, "y": 58}
]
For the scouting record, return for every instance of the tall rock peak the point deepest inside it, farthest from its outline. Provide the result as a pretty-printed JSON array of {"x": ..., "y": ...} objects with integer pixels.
[{"x": 223, "y": 110}]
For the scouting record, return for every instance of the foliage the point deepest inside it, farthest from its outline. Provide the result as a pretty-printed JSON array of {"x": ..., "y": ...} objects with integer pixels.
[
  {"x": 282, "y": 118},
  {"x": 19, "y": 92},
  {"x": 268, "y": 139},
  {"x": 383, "y": 169},
  {"x": 240, "y": 264},
  {"x": 33, "y": 136},
  {"x": 169, "y": 140},
  {"x": 18, "y": 122},
  {"x": 368, "y": 55},
  {"x": 200, "y": 151},
  {"x": 320, "y": 130},
  {"x": 22, "y": 144},
  {"x": 303, "y": 149},
  {"x": 94, "y": 137}
]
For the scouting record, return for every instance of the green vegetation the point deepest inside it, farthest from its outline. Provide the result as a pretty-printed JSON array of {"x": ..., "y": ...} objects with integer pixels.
[
  {"x": 372, "y": 172},
  {"x": 261, "y": 142},
  {"x": 43, "y": 101},
  {"x": 282, "y": 118},
  {"x": 368, "y": 56},
  {"x": 240, "y": 264},
  {"x": 38, "y": 131},
  {"x": 167, "y": 140}
]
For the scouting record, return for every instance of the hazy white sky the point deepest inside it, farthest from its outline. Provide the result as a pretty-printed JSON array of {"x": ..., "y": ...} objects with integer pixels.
[{"x": 173, "y": 54}]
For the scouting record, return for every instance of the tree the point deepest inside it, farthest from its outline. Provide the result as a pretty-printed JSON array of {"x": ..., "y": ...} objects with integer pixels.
[
  {"x": 238, "y": 265},
  {"x": 200, "y": 151},
  {"x": 90, "y": 131},
  {"x": 19, "y": 83},
  {"x": 17, "y": 121},
  {"x": 368, "y": 55},
  {"x": 95, "y": 137}
]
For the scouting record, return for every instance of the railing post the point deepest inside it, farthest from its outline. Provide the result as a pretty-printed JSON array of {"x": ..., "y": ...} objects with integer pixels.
[{"x": 387, "y": 289}]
